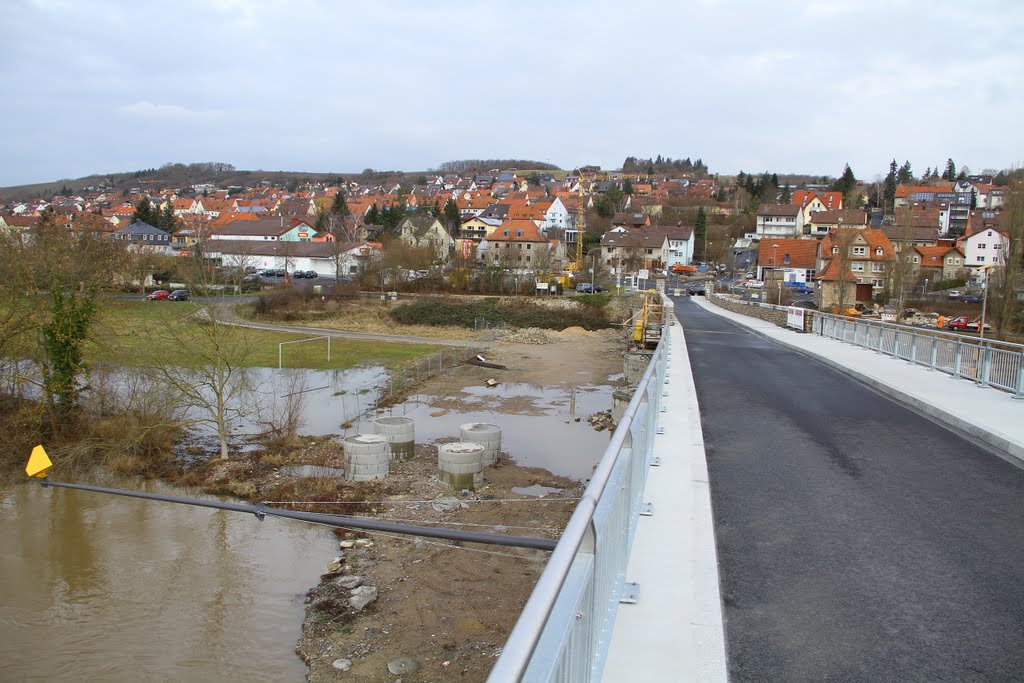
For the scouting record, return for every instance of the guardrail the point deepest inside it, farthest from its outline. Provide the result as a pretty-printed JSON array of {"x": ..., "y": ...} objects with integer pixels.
[
  {"x": 563, "y": 631},
  {"x": 989, "y": 363}
]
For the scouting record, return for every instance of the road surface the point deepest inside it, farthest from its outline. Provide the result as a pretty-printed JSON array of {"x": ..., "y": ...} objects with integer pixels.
[{"x": 858, "y": 541}]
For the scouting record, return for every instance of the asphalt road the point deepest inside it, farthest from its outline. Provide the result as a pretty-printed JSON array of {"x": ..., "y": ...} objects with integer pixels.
[{"x": 857, "y": 540}]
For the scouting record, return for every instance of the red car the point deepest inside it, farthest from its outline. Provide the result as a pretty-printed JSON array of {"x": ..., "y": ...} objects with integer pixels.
[{"x": 157, "y": 295}]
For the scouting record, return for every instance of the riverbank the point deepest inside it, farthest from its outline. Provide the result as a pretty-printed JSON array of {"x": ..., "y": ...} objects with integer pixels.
[{"x": 447, "y": 607}]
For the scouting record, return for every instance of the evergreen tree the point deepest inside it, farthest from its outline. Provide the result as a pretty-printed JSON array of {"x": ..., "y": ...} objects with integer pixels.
[
  {"x": 889, "y": 186},
  {"x": 700, "y": 231},
  {"x": 340, "y": 207},
  {"x": 846, "y": 184},
  {"x": 627, "y": 187},
  {"x": 962, "y": 175},
  {"x": 373, "y": 216},
  {"x": 904, "y": 176},
  {"x": 786, "y": 197},
  {"x": 143, "y": 212},
  {"x": 950, "y": 172},
  {"x": 452, "y": 217},
  {"x": 167, "y": 222}
]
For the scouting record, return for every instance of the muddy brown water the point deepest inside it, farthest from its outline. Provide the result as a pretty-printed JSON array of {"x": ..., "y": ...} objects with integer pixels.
[{"x": 98, "y": 587}]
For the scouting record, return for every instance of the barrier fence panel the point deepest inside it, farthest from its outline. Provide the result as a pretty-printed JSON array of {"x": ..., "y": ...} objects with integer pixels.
[
  {"x": 988, "y": 362},
  {"x": 563, "y": 631}
]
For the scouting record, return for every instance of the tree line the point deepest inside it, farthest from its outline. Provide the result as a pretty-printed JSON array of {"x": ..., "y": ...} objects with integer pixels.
[
  {"x": 468, "y": 165},
  {"x": 662, "y": 164}
]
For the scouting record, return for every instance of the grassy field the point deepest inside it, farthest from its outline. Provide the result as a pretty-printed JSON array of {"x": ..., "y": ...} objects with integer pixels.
[{"x": 136, "y": 332}]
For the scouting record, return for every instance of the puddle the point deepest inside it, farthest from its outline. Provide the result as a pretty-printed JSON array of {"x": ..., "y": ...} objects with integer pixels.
[
  {"x": 541, "y": 433},
  {"x": 311, "y": 471},
  {"x": 536, "y": 490}
]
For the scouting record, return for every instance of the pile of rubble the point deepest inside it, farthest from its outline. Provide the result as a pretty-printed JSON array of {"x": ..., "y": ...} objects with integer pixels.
[
  {"x": 918, "y": 319},
  {"x": 602, "y": 421},
  {"x": 528, "y": 335}
]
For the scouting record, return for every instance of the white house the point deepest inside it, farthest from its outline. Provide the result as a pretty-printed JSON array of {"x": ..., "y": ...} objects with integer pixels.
[
  {"x": 267, "y": 230},
  {"x": 985, "y": 248},
  {"x": 777, "y": 221}
]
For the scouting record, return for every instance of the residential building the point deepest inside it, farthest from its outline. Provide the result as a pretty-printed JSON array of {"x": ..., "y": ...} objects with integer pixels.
[
  {"x": 517, "y": 244},
  {"x": 143, "y": 236},
  {"x": 823, "y": 221},
  {"x": 937, "y": 263},
  {"x": 817, "y": 200},
  {"x": 986, "y": 247},
  {"x": 423, "y": 229},
  {"x": 778, "y": 221},
  {"x": 265, "y": 230},
  {"x": 787, "y": 260},
  {"x": 865, "y": 254}
]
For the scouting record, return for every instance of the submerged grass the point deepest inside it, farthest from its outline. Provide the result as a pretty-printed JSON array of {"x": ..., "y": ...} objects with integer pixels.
[{"x": 131, "y": 332}]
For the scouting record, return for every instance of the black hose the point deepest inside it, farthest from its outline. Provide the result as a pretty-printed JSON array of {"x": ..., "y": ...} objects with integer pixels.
[{"x": 331, "y": 520}]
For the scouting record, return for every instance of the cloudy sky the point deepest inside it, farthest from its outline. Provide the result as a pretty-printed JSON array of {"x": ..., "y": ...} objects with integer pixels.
[{"x": 320, "y": 85}]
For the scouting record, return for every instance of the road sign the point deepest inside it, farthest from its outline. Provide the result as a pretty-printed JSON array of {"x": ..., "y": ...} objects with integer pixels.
[{"x": 38, "y": 463}]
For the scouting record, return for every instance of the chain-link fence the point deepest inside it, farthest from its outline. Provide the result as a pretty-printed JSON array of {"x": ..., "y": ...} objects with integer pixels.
[
  {"x": 408, "y": 376},
  {"x": 489, "y": 331}
]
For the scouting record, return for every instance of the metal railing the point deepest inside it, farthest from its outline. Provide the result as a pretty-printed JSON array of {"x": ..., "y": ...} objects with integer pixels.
[
  {"x": 989, "y": 363},
  {"x": 564, "y": 629}
]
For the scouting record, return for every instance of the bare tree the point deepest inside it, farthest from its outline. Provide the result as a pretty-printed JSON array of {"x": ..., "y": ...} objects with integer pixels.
[
  {"x": 1004, "y": 294},
  {"x": 900, "y": 276},
  {"x": 215, "y": 388}
]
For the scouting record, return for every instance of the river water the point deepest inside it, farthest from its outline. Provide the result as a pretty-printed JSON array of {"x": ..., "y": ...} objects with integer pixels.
[{"x": 98, "y": 587}]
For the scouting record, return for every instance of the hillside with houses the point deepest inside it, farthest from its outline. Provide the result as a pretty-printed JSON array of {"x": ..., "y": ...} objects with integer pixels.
[{"x": 657, "y": 215}]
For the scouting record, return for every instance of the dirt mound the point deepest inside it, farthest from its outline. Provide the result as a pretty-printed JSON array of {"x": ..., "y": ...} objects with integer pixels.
[{"x": 574, "y": 331}]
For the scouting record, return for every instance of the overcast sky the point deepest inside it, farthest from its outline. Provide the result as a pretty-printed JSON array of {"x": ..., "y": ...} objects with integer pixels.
[{"x": 784, "y": 86}]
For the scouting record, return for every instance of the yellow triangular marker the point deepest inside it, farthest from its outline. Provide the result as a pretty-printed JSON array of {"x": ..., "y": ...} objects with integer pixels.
[{"x": 38, "y": 463}]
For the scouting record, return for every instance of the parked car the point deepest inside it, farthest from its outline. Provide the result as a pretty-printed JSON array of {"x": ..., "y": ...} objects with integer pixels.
[
  {"x": 807, "y": 303},
  {"x": 179, "y": 295},
  {"x": 298, "y": 273},
  {"x": 799, "y": 288},
  {"x": 312, "y": 274},
  {"x": 753, "y": 284},
  {"x": 971, "y": 299},
  {"x": 954, "y": 294},
  {"x": 588, "y": 288},
  {"x": 158, "y": 295},
  {"x": 697, "y": 290},
  {"x": 268, "y": 272},
  {"x": 279, "y": 272}
]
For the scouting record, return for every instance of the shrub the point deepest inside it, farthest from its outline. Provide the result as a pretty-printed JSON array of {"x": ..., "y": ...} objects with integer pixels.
[{"x": 521, "y": 313}]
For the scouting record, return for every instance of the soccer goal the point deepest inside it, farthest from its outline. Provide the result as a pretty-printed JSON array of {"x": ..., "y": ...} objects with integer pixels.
[{"x": 281, "y": 345}]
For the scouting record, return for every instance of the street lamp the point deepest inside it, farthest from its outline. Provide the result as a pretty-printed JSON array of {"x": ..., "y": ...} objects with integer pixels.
[
  {"x": 775, "y": 269},
  {"x": 984, "y": 303}
]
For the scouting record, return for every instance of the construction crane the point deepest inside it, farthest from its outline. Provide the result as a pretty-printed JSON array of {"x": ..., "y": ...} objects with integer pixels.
[{"x": 581, "y": 219}]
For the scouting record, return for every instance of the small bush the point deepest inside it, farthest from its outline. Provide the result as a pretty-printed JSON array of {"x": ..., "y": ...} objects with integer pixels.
[
  {"x": 521, "y": 313},
  {"x": 594, "y": 300}
]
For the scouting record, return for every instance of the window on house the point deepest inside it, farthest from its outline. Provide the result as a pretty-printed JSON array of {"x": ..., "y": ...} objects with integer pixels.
[
  {"x": 860, "y": 251},
  {"x": 917, "y": 259},
  {"x": 877, "y": 267},
  {"x": 956, "y": 261},
  {"x": 857, "y": 267},
  {"x": 650, "y": 251},
  {"x": 878, "y": 251},
  {"x": 527, "y": 258},
  {"x": 835, "y": 250},
  {"x": 981, "y": 259},
  {"x": 876, "y": 283},
  {"x": 981, "y": 245},
  {"x": 997, "y": 246}
]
